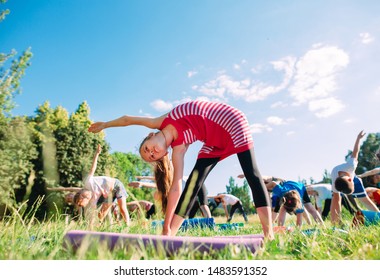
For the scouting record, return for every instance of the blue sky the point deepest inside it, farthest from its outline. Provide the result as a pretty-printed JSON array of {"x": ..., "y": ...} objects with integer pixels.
[{"x": 304, "y": 72}]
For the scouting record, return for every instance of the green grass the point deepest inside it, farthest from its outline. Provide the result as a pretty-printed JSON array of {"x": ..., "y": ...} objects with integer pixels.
[{"x": 30, "y": 239}]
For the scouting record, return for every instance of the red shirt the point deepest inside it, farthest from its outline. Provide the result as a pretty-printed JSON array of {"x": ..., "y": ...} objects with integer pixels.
[
  {"x": 376, "y": 197},
  {"x": 223, "y": 129}
]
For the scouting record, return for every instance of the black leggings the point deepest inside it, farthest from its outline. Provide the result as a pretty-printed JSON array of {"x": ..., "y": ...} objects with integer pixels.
[
  {"x": 201, "y": 201},
  {"x": 203, "y": 167},
  {"x": 235, "y": 207},
  {"x": 326, "y": 208}
]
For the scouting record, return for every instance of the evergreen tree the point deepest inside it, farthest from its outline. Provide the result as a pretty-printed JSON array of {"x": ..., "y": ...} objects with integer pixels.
[
  {"x": 326, "y": 177},
  {"x": 241, "y": 192}
]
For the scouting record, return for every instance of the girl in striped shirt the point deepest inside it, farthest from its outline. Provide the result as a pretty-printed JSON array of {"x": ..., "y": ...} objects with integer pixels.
[{"x": 223, "y": 129}]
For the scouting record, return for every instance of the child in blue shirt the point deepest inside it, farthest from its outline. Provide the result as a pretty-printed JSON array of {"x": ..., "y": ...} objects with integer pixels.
[{"x": 291, "y": 197}]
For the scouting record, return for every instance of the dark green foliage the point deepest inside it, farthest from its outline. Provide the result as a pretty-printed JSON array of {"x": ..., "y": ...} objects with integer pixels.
[
  {"x": 326, "y": 177},
  {"x": 65, "y": 153},
  {"x": 17, "y": 153},
  {"x": 17, "y": 149},
  {"x": 127, "y": 167},
  {"x": 367, "y": 159},
  {"x": 367, "y": 155},
  {"x": 243, "y": 193}
]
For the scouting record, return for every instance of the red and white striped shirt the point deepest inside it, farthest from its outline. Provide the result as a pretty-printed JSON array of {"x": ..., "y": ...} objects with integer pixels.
[{"x": 223, "y": 129}]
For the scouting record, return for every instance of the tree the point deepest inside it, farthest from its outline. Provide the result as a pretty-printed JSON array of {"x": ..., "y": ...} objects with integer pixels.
[
  {"x": 326, "y": 177},
  {"x": 128, "y": 166},
  {"x": 15, "y": 135},
  {"x": 242, "y": 192},
  {"x": 65, "y": 152},
  {"x": 10, "y": 80},
  {"x": 17, "y": 152},
  {"x": 367, "y": 154}
]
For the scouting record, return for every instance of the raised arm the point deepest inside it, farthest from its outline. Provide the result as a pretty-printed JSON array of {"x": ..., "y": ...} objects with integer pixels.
[
  {"x": 149, "y": 122},
  {"x": 355, "y": 151},
  {"x": 95, "y": 161}
]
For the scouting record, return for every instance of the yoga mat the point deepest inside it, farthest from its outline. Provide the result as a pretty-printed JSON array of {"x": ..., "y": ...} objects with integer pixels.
[
  {"x": 230, "y": 226},
  {"x": 170, "y": 244},
  {"x": 310, "y": 231},
  {"x": 191, "y": 223}
]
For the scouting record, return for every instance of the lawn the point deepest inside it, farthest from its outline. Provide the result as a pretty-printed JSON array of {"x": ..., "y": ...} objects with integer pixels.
[{"x": 30, "y": 239}]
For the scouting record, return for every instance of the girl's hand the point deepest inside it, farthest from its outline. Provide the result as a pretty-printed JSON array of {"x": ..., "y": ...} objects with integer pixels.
[
  {"x": 97, "y": 127},
  {"x": 99, "y": 149},
  {"x": 361, "y": 134},
  {"x": 135, "y": 184},
  {"x": 166, "y": 231}
]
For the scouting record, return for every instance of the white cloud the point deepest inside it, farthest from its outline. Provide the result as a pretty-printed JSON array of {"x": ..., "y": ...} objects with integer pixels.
[
  {"x": 236, "y": 66},
  {"x": 161, "y": 105},
  {"x": 327, "y": 107},
  {"x": 289, "y": 133},
  {"x": 311, "y": 81},
  {"x": 260, "y": 128},
  {"x": 191, "y": 73},
  {"x": 246, "y": 89},
  {"x": 274, "y": 120},
  {"x": 366, "y": 38},
  {"x": 316, "y": 79}
]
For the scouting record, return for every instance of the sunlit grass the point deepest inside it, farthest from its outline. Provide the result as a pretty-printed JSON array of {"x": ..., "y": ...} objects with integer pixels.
[{"x": 30, "y": 239}]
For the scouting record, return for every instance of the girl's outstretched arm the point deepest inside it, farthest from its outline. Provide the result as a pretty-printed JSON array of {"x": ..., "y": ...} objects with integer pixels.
[
  {"x": 95, "y": 161},
  {"x": 370, "y": 173},
  {"x": 175, "y": 190},
  {"x": 149, "y": 122},
  {"x": 368, "y": 203},
  {"x": 355, "y": 151},
  {"x": 146, "y": 178},
  {"x": 139, "y": 184}
]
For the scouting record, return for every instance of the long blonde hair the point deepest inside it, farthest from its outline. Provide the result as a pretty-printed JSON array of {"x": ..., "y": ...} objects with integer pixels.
[{"x": 163, "y": 175}]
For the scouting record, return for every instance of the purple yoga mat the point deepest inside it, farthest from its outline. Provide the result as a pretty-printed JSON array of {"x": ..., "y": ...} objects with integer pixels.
[{"x": 170, "y": 244}]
